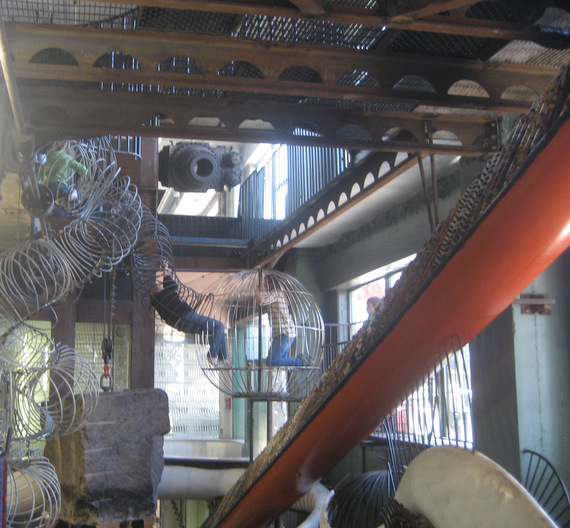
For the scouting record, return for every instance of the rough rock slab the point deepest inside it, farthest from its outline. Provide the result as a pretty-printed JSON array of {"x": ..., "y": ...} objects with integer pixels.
[{"x": 109, "y": 471}]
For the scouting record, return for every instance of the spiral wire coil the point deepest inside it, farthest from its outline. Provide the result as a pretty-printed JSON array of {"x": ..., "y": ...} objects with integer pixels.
[
  {"x": 249, "y": 333},
  {"x": 46, "y": 388},
  {"x": 32, "y": 493},
  {"x": 152, "y": 258}
]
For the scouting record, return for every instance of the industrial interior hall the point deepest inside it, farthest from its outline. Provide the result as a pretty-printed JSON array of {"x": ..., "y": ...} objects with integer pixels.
[{"x": 284, "y": 263}]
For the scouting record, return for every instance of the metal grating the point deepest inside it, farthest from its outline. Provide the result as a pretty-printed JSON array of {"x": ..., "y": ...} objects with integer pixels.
[
  {"x": 117, "y": 60},
  {"x": 287, "y": 30},
  {"x": 307, "y": 128},
  {"x": 240, "y": 69},
  {"x": 358, "y": 78},
  {"x": 48, "y": 82},
  {"x": 181, "y": 20},
  {"x": 414, "y": 83},
  {"x": 300, "y": 74},
  {"x": 456, "y": 45},
  {"x": 260, "y": 27},
  {"x": 188, "y": 92},
  {"x": 88, "y": 340},
  {"x": 368, "y": 4},
  {"x": 194, "y": 406},
  {"x": 54, "y": 56},
  {"x": 279, "y": 29},
  {"x": 550, "y": 57},
  {"x": 338, "y": 103},
  {"x": 353, "y": 132},
  {"x": 202, "y": 226},
  {"x": 180, "y": 64},
  {"x": 392, "y": 107},
  {"x": 67, "y": 12},
  {"x": 442, "y": 45},
  {"x": 491, "y": 11},
  {"x": 269, "y": 29}
]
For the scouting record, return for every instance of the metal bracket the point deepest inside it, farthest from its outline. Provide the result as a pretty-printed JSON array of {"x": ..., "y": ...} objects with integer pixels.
[{"x": 533, "y": 303}]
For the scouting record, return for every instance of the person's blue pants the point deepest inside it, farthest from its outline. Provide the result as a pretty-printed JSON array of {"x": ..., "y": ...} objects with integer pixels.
[
  {"x": 279, "y": 352},
  {"x": 59, "y": 190},
  {"x": 192, "y": 323}
]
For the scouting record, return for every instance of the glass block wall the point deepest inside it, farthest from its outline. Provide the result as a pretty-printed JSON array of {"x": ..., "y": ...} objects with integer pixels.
[{"x": 194, "y": 403}]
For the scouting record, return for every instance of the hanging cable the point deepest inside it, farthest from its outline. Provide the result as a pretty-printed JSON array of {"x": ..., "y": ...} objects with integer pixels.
[
  {"x": 434, "y": 189},
  {"x": 106, "y": 380},
  {"x": 424, "y": 185}
]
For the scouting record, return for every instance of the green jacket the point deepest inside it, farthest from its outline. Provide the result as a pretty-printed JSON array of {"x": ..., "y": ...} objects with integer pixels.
[{"x": 58, "y": 167}]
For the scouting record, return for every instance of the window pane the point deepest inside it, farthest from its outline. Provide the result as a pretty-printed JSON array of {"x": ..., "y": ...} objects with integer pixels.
[{"x": 358, "y": 298}]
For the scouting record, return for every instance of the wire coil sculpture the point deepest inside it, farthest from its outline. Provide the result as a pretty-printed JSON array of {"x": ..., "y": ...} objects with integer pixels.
[
  {"x": 151, "y": 261},
  {"x": 65, "y": 399},
  {"x": 152, "y": 258},
  {"x": 254, "y": 369},
  {"x": 152, "y": 252},
  {"x": 437, "y": 412},
  {"x": 365, "y": 502},
  {"x": 48, "y": 389},
  {"x": 32, "y": 493},
  {"x": 545, "y": 484},
  {"x": 25, "y": 347}
]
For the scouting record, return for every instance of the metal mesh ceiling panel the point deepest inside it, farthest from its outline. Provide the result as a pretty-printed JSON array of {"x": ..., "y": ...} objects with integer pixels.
[
  {"x": 442, "y": 45},
  {"x": 66, "y": 12},
  {"x": 490, "y": 11},
  {"x": 260, "y": 27},
  {"x": 369, "y": 4},
  {"x": 174, "y": 19},
  {"x": 321, "y": 32}
]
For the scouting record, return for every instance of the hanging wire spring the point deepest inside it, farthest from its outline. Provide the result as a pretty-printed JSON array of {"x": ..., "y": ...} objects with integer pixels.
[
  {"x": 177, "y": 513},
  {"x": 49, "y": 389}
]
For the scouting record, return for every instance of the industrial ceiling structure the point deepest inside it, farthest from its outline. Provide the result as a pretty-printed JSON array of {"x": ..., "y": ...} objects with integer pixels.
[
  {"x": 440, "y": 77},
  {"x": 354, "y": 74},
  {"x": 383, "y": 79}
]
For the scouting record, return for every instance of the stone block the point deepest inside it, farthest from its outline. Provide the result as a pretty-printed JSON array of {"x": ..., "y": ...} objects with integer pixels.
[{"x": 109, "y": 470}]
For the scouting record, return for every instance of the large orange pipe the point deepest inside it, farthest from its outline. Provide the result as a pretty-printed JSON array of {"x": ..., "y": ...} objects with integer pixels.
[{"x": 520, "y": 237}]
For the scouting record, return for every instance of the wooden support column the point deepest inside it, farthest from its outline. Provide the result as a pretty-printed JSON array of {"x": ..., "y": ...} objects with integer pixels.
[
  {"x": 142, "y": 347},
  {"x": 142, "y": 324},
  {"x": 63, "y": 329}
]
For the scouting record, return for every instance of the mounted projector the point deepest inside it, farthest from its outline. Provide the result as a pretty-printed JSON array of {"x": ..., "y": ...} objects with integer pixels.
[{"x": 197, "y": 167}]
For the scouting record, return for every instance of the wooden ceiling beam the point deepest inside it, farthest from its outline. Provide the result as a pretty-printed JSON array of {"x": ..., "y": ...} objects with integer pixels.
[
  {"x": 96, "y": 112},
  {"x": 263, "y": 87},
  {"x": 82, "y": 130},
  {"x": 472, "y": 27},
  {"x": 310, "y": 8},
  {"x": 212, "y": 52},
  {"x": 421, "y": 8},
  {"x": 352, "y": 15}
]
